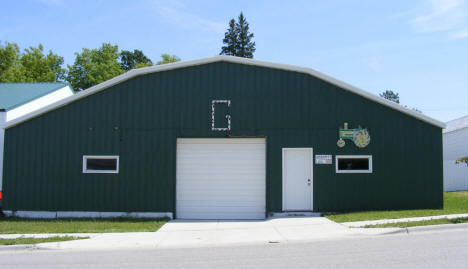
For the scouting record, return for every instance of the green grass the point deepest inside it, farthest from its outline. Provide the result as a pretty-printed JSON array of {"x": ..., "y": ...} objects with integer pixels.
[
  {"x": 29, "y": 241},
  {"x": 116, "y": 225},
  {"x": 454, "y": 203},
  {"x": 419, "y": 223}
]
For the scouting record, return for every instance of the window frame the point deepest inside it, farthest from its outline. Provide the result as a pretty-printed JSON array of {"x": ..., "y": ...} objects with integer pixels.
[
  {"x": 368, "y": 171},
  {"x": 89, "y": 171}
]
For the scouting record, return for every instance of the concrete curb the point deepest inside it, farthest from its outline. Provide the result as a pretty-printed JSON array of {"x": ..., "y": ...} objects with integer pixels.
[
  {"x": 377, "y": 231},
  {"x": 18, "y": 247},
  {"x": 439, "y": 227},
  {"x": 394, "y": 231},
  {"x": 416, "y": 229},
  {"x": 360, "y": 224}
]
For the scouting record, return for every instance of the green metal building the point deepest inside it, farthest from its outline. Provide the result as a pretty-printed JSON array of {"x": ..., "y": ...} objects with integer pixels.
[
  {"x": 221, "y": 138},
  {"x": 20, "y": 98}
]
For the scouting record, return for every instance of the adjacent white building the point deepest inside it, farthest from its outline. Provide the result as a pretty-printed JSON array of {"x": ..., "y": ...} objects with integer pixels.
[
  {"x": 20, "y": 99},
  {"x": 455, "y": 145}
]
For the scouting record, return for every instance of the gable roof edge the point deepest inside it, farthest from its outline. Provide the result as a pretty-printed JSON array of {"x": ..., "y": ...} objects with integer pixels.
[{"x": 219, "y": 58}]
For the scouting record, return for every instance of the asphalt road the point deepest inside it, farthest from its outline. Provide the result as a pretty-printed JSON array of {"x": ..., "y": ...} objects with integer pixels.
[{"x": 440, "y": 249}]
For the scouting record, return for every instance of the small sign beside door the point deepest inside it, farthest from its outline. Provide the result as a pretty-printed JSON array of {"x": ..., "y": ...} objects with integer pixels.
[{"x": 323, "y": 159}]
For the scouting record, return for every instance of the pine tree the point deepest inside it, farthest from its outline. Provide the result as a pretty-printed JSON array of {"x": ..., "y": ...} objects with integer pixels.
[
  {"x": 238, "y": 39},
  {"x": 230, "y": 39},
  {"x": 246, "y": 47}
]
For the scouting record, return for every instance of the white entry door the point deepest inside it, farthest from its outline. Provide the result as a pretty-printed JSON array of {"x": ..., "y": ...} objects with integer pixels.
[
  {"x": 297, "y": 179},
  {"x": 221, "y": 178}
]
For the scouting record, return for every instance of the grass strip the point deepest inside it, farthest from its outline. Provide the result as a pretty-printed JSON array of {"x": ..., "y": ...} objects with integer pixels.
[
  {"x": 30, "y": 241},
  {"x": 419, "y": 223},
  {"x": 454, "y": 203},
  {"x": 111, "y": 225}
]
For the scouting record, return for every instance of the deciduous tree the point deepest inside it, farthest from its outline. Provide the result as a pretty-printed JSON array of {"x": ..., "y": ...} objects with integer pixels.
[
  {"x": 394, "y": 97},
  {"x": 93, "y": 66},
  {"x": 390, "y": 95},
  {"x": 462, "y": 160},
  {"x": 136, "y": 59},
  {"x": 10, "y": 66},
  {"x": 32, "y": 65},
  {"x": 166, "y": 58}
]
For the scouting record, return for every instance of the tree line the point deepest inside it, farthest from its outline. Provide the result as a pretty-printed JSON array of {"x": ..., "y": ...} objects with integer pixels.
[{"x": 91, "y": 66}]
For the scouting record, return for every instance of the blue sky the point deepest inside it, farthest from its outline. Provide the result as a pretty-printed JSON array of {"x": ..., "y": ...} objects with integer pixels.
[{"x": 416, "y": 48}]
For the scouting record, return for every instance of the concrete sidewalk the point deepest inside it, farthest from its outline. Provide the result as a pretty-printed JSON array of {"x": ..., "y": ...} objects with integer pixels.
[
  {"x": 186, "y": 234},
  {"x": 385, "y": 221},
  {"x": 199, "y": 233}
]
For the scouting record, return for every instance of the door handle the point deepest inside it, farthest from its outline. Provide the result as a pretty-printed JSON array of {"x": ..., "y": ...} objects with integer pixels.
[{"x": 308, "y": 181}]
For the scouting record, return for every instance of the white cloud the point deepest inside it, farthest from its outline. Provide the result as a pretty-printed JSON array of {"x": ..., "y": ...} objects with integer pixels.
[
  {"x": 460, "y": 34},
  {"x": 373, "y": 62},
  {"x": 179, "y": 14},
  {"x": 440, "y": 15}
]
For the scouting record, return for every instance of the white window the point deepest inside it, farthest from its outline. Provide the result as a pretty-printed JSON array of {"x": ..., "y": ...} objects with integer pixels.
[
  {"x": 101, "y": 164},
  {"x": 353, "y": 163}
]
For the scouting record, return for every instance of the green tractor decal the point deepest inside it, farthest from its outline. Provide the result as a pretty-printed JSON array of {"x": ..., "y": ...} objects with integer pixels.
[{"x": 359, "y": 136}]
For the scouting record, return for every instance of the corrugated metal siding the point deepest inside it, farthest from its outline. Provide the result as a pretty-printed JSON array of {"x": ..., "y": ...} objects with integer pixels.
[
  {"x": 43, "y": 155},
  {"x": 455, "y": 146}
]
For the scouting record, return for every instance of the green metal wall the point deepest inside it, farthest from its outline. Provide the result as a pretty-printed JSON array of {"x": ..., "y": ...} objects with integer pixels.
[{"x": 141, "y": 118}]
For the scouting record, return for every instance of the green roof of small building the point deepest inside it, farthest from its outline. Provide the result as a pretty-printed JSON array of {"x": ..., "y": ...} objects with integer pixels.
[{"x": 14, "y": 94}]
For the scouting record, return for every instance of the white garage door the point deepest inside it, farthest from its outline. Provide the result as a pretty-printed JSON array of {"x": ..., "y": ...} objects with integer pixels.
[{"x": 221, "y": 178}]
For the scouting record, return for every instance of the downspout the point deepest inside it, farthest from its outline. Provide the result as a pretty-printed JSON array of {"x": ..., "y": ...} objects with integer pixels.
[{"x": 2, "y": 141}]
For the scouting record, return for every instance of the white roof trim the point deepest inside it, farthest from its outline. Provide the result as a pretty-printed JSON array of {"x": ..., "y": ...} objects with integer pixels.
[
  {"x": 456, "y": 124},
  {"x": 232, "y": 59},
  {"x": 444, "y": 132}
]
